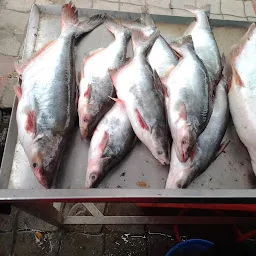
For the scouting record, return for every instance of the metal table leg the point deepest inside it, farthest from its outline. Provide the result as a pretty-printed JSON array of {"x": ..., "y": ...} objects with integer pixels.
[{"x": 44, "y": 211}]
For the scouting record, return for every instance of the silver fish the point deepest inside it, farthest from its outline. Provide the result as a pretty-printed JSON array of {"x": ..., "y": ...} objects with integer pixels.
[
  {"x": 208, "y": 143},
  {"x": 242, "y": 91},
  {"x": 96, "y": 87},
  {"x": 187, "y": 98},
  {"x": 161, "y": 56},
  {"x": 47, "y": 109},
  {"x": 138, "y": 86},
  {"x": 205, "y": 44},
  {"x": 112, "y": 140}
]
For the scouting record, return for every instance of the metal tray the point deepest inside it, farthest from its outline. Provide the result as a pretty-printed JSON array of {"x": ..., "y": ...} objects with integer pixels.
[{"x": 139, "y": 177}]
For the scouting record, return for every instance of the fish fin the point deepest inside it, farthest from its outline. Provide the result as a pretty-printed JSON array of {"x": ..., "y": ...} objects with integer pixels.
[
  {"x": 30, "y": 122},
  {"x": 146, "y": 19},
  {"x": 165, "y": 77},
  {"x": 221, "y": 149},
  {"x": 69, "y": 18},
  {"x": 182, "y": 42},
  {"x": 236, "y": 49},
  {"x": 18, "y": 91},
  {"x": 204, "y": 8},
  {"x": 158, "y": 85},
  {"x": 117, "y": 29},
  {"x": 237, "y": 77},
  {"x": 87, "y": 93},
  {"x": 103, "y": 143},
  {"x": 22, "y": 65},
  {"x": 116, "y": 100},
  {"x": 143, "y": 44},
  {"x": 142, "y": 122},
  {"x": 89, "y": 24}
]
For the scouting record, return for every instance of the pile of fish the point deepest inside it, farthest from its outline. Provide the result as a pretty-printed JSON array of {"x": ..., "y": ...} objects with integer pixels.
[{"x": 170, "y": 96}]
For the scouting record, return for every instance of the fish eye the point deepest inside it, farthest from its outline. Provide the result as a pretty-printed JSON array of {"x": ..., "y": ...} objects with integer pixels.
[
  {"x": 93, "y": 177},
  {"x": 34, "y": 165},
  {"x": 159, "y": 152}
]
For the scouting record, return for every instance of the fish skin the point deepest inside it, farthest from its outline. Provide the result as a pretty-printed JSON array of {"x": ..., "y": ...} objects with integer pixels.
[
  {"x": 188, "y": 98},
  {"x": 46, "y": 109},
  {"x": 205, "y": 44},
  {"x": 115, "y": 128},
  {"x": 208, "y": 143},
  {"x": 93, "y": 105},
  {"x": 135, "y": 85},
  {"x": 242, "y": 91}
]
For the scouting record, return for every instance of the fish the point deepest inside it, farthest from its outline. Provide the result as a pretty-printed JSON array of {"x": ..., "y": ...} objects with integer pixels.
[
  {"x": 205, "y": 44},
  {"x": 96, "y": 88},
  {"x": 207, "y": 145},
  {"x": 161, "y": 56},
  {"x": 187, "y": 98},
  {"x": 242, "y": 90},
  {"x": 112, "y": 140},
  {"x": 140, "y": 88},
  {"x": 46, "y": 98}
]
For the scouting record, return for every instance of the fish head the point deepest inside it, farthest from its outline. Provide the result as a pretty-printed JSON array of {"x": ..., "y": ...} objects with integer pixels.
[
  {"x": 184, "y": 141},
  {"x": 94, "y": 172},
  {"x": 45, "y": 157}
]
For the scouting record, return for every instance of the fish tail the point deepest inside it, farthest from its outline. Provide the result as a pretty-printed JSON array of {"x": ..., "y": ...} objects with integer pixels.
[
  {"x": 143, "y": 44},
  {"x": 69, "y": 19},
  {"x": 117, "y": 29},
  {"x": 196, "y": 10},
  {"x": 146, "y": 19},
  {"x": 181, "y": 42}
]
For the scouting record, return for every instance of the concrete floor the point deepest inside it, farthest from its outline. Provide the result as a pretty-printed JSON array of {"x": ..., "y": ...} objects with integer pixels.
[{"x": 23, "y": 234}]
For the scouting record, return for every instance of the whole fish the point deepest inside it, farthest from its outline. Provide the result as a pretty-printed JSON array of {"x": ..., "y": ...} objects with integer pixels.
[
  {"x": 112, "y": 140},
  {"x": 47, "y": 109},
  {"x": 139, "y": 87},
  {"x": 204, "y": 43},
  {"x": 207, "y": 145},
  {"x": 187, "y": 98},
  {"x": 96, "y": 87},
  {"x": 242, "y": 91},
  {"x": 161, "y": 56}
]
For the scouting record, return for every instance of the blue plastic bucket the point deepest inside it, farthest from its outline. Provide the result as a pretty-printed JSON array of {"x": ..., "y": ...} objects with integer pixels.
[{"x": 190, "y": 247}]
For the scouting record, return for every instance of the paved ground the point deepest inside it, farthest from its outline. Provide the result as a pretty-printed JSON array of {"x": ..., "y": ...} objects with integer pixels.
[{"x": 21, "y": 234}]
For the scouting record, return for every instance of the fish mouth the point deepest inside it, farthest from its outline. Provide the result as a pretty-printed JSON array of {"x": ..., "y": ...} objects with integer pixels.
[{"x": 42, "y": 179}]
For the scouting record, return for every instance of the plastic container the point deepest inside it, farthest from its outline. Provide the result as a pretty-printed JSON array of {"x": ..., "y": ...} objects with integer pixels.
[{"x": 192, "y": 247}]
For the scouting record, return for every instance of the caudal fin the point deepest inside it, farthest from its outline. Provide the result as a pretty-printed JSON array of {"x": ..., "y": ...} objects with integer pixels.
[
  {"x": 196, "y": 10},
  {"x": 117, "y": 29},
  {"x": 141, "y": 43},
  {"x": 146, "y": 19},
  {"x": 69, "y": 20},
  {"x": 181, "y": 43}
]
